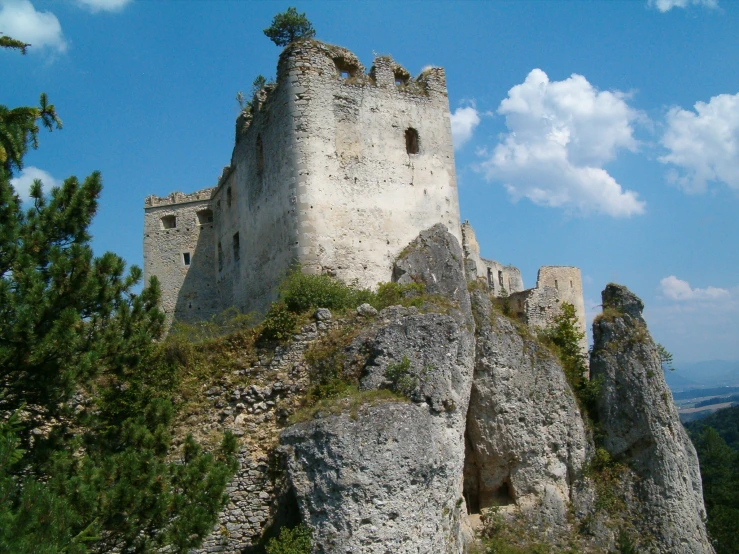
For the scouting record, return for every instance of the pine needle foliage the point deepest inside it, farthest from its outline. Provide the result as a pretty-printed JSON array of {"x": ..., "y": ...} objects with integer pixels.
[
  {"x": 288, "y": 27},
  {"x": 86, "y": 463}
]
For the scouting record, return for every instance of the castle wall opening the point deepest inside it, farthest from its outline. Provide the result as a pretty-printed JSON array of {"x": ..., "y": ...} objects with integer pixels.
[
  {"x": 411, "y": 141},
  {"x": 205, "y": 217},
  {"x": 169, "y": 222}
]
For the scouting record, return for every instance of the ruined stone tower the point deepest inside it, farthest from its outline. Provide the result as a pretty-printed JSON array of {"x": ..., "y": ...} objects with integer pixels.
[{"x": 333, "y": 168}]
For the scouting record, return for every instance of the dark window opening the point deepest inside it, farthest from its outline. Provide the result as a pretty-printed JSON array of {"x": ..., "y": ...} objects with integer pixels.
[
  {"x": 205, "y": 216},
  {"x": 186, "y": 258},
  {"x": 169, "y": 222},
  {"x": 220, "y": 257},
  {"x": 228, "y": 197},
  {"x": 260, "y": 155},
  {"x": 556, "y": 284},
  {"x": 500, "y": 278},
  {"x": 411, "y": 141},
  {"x": 570, "y": 284},
  {"x": 490, "y": 278},
  {"x": 401, "y": 78},
  {"x": 236, "y": 247},
  {"x": 345, "y": 69}
]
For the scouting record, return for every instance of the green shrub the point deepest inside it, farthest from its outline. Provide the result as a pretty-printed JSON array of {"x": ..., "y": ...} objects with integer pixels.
[
  {"x": 564, "y": 337},
  {"x": 393, "y": 294},
  {"x": 279, "y": 323},
  {"x": 291, "y": 541},
  {"x": 399, "y": 374},
  {"x": 302, "y": 292}
]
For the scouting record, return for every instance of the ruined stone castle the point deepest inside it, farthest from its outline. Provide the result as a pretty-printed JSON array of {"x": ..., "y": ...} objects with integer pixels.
[{"x": 334, "y": 169}]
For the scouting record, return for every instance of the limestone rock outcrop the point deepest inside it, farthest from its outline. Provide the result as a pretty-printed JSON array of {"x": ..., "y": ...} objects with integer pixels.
[
  {"x": 526, "y": 441},
  {"x": 389, "y": 477},
  {"x": 642, "y": 430}
]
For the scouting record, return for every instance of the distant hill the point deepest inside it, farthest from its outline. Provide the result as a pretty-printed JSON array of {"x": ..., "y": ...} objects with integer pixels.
[
  {"x": 725, "y": 422},
  {"x": 711, "y": 373}
]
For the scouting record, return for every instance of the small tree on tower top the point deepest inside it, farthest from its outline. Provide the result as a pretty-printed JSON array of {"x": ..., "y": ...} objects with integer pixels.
[{"x": 289, "y": 26}]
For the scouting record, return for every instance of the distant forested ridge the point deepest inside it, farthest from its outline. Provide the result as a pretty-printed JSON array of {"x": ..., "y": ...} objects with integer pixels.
[{"x": 725, "y": 422}]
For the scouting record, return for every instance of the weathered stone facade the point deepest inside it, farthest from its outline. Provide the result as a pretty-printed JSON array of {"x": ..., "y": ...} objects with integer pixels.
[{"x": 335, "y": 170}]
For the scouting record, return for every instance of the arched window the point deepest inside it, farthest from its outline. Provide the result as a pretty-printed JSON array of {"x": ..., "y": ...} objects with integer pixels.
[{"x": 411, "y": 141}]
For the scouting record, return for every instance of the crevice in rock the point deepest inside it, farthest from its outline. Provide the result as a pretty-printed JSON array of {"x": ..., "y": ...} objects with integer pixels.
[{"x": 286, "y": 514}]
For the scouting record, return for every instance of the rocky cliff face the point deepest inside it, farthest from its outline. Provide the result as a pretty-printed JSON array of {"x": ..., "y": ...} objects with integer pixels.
[
  {"x": 488, "y": 421},
  {"x": 526, "y": 441},
  {"x": 389, "y": 477},
  {"x": 641, "y": 430}
]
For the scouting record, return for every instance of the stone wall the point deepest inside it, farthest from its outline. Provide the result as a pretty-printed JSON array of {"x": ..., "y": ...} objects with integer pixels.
[
  {"x": 375, "y": 160},
  {"x": 175, "y": 227},
  {"x": 500, "y": 279},
  {"x": 554, "y": 285}
]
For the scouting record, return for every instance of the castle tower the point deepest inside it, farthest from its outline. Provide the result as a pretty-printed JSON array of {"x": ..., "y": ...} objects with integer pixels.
[
  {"x": 334, "y": 169},
  {"x": 178, "y": 250}
]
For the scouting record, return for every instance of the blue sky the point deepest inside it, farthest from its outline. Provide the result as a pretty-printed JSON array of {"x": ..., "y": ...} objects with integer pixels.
[{"x": 598, "y": 134}]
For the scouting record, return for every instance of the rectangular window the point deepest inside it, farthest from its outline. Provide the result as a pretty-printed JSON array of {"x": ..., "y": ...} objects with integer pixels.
[
  {"x": 186, "y": 258},
  {"x": 220, "y": 257},
  {"x": 500, "y": 278},
  {"x": 237, "y": 253},
  {"x": 169, "y": 222},
  {"x": 490, "y": 278}
]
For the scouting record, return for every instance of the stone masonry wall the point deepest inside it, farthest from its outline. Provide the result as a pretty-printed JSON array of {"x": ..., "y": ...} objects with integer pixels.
[
  {"x": 554, "y": 285},
  {"x": 256, "y": 200},
  {"x": 363, "y": 194},
  {"x": 498, "y": 277},
  {"x": 188, "y": 290}
]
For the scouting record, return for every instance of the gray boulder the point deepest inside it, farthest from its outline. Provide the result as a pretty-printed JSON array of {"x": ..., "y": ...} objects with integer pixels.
[
  {"x": 526, "y": 442},
  {"x": 642, "y": 429},
  {"x": 387, "y": 478}
]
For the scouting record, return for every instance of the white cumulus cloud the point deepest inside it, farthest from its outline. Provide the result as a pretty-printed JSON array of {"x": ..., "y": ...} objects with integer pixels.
[
  {"x": 560, "y": 134},
  {"x": 464, "y": 121},
  {"x": 20, "y": 20},
  {"x": 22, "y": 183},
  {"x": 677, "y": 289},
  {"x": 104, "y": 5},
  {"x": 704, "y": 144},
  {"x": 667, "y": 5}
]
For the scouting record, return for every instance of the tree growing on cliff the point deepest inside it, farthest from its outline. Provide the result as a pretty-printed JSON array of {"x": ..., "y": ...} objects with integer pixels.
[
  {"x": 85, "y": 410},
  {"x": 289, "y": 26}
]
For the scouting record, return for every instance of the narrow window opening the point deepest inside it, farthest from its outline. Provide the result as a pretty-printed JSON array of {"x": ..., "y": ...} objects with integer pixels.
[
  {"x": 205, "y": 216},
  {"x": 218, "y": 205},
  {"x": 228, "y": 197},
  {"x": 186, "y": 258},
  {"x": 571, "y": 284},
  {"x": 237, "y": 253},
  {"x": 169, "y": 222},
  {"x": 500, "y": 278},
  {"x": 260, "y": 155},
  {"x": 556, "y": 284},
  {"x": 220, "y": 257},
  {"x": 411, "y": 141},
  {"x": 401, "y": 78},
  {"x": 490, "y": 278}
]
